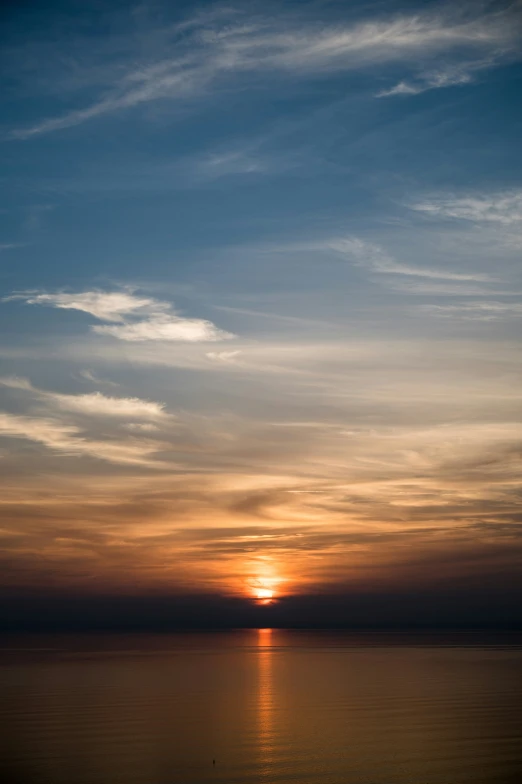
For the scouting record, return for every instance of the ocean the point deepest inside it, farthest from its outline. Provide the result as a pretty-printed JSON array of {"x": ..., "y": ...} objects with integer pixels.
[{"x": 252, "y": 706}]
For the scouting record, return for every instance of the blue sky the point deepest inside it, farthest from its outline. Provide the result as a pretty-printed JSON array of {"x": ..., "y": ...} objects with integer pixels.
[{"x": 262, "y": 292}]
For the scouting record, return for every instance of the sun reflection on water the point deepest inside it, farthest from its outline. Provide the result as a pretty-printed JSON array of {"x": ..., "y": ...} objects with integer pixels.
[{"x": 265, "y": 699}]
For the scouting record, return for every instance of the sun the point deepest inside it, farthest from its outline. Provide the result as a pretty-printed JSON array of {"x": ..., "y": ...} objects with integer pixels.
[
  {"x": 263, "y": 590},
  {"x": 264, "y": 594}
]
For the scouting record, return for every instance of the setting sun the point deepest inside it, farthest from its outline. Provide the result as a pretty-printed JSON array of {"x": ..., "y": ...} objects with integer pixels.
[
  {"x": 264, "y": 594},
  {"x": 263, "y": 590}
]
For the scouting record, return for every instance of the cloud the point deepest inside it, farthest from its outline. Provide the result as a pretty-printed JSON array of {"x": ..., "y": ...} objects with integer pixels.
[
  {"x": 366, "y": 254},
  {"x": 450, "y": 75},
  {"x": 46, "y": 431},
  {"x": 223, "y": 48},
  {"x": 96, "y": 404},
  {"x": 68, "y": 439},
  {"x": 477, "y": 311},
  {"x": 141, "y": 427},
  {"x": 392, "y": 39},
  {"x": 10, "y": 245},
  {"x": 452, "y": 289},
  {"x": 165, "y": 328},
  {"x": 503, "y": 207},
  {"x": 14, "y": 382},
  {"x": 93, "y": 404},
  {"x": 222, "y": 356},
  {"x": 402, "y": 88},
  {"x": 423, "y": 449},
  {"x": 103, "y": 305},
  {"x": 230, "y": 163},
  {"x": 431, "y": 83},
  {"x": 88, "y": 375},
  {"x": 136, "y": 318}
]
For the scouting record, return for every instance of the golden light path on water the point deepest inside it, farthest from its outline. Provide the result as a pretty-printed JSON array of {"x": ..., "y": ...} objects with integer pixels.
[{"x": 265, "y": 700}]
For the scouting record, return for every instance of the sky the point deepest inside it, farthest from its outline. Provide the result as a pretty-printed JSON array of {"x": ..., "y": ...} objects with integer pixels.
[{"x": 261, "y": 299}]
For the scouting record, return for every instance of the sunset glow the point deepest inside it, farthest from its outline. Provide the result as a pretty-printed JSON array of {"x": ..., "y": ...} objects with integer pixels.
[
  {"x": 262, "y": 304},
  {"x": 264, "y": 590},
  {"x": 261, "y": 392},
  {"x": 265, "y": 595}
]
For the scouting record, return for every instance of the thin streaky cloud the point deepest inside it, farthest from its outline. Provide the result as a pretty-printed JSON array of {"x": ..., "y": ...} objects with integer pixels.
[
  {"x": 10, "y": 246},
  {"x": 503, "y": 207},
  {"x": 94, "y": 403},
  {"x": 97, "y": 404},
  {"x": 68, "y": 439},
  {"x": 15, "y": 382},
  {"x": 103, "y": 305},
  {"x": 137, "y": 318},
  {"x": 208, "y": 54},
  {"x": 170, "y": 329},
  {"x": 88, "y": 375},
  {"x": 229, "y": 163},
  {"x": 408, "y": 88},
  {"x": 454, "y": 289},
  {"x": 298, "y": 320},
  {"x": 476, "y": 311},
  {"x": 449, "y": 75},
  {"x": 223, "y": 356},
  {"x": 375, "y": 258},
  {"x": 141, "y": 427},
  {"x": 402, "y": 88}
]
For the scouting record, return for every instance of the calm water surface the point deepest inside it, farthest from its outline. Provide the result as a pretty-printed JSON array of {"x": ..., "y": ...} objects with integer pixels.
[{"x": 268, "y": 706}]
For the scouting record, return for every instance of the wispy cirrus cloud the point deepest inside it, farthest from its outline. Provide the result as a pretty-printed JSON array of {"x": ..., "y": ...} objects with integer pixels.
[
  {"x": 377, "y": 259},
  {"x": 69, "y": 439},
  {"x": 232, "y": 162},
  {"x": 88, "y": 375},
  {"x": 94, "y": 403},
  {"x": 448, "y": 75},
  {"x": 103, "y": 305},
  {"x": 502, "y": 207},
  {"x": 131, "y": 317},
  {"x": 223, "y": 356},
  {"x": 166, "y": 328},
  {"x": 402, "y": 88},
  {"x": 10, "y": 246},
  {"x": 451, "y": 289},
  {"x": 429, "y": 83},
  {"x": 214, "y": 51},
  {"x": 477, "y": 311},
  {"x": 141, "y": 427}
]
